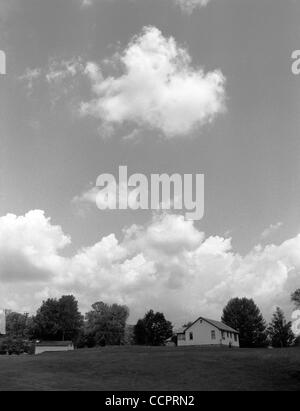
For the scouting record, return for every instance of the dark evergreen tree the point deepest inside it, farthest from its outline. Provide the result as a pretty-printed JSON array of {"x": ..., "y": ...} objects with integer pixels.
[{"x": 280, "y": 331}]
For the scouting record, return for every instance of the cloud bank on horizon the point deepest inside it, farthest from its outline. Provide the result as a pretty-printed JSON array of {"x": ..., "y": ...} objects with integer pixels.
[{"x": 167, "y": 265}]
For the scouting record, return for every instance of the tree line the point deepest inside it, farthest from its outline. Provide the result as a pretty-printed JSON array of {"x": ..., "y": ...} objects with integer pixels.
[
  {"x": 105, "y": 324},
  {"x": 243, "y": 315}
]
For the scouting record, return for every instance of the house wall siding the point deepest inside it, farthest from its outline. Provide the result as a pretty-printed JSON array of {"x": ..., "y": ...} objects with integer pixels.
[
  {"x": 40, "y": 350},
  {"x": 202, "y": 335},
  {"x": 229, "y": 338}
]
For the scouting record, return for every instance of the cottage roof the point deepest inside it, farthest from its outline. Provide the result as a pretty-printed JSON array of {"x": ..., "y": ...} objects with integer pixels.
[
  {"x": 218, "y": 324},
  {"x": 54, "y": 343},
  {"x": 221, "y": 326}
]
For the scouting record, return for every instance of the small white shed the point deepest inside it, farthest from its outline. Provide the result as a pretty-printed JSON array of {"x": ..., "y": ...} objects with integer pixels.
[
  {"x": 53, "y": 346},
  {"x": 207, "y": 332}
]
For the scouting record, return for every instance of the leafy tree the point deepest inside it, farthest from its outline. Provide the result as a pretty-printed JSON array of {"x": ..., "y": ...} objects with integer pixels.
[
  {"x": 57, "y": 319},
  {"x": 17, "y": 325},
  {"x": 296, "y": 298},
  {"x": 70, "y": 319},
  {"x": 153, "y": 329},
  {"x": 105, "y": 324},
  {"x": 46, "y": 321},
  {"x": 31, "y": 328},
  {"x": 140, "y": 333},
  {"x": 280, "y": 331},
  {"x": 15, "y": 346},
  {"x": 129, "y": 335},
  {"x": 84, "y": 340},
  {"x": 244, "y": 316}
]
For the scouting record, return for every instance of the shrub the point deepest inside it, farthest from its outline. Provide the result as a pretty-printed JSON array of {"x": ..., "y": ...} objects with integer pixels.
[{"x": 15, "y": 346}]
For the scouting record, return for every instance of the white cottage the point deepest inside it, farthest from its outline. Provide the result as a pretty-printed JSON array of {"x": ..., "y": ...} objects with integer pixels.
[
  {"x": 207, "y": 332},
  {"x": 53, "y": 346}
]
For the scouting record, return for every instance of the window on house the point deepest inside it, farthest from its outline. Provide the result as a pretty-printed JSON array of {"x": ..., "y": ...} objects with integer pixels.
[
  {"x": 227, "y": 334},
  {"x": 235, "y": 337},
  {"x": 223, "y": 335},
  {"x": 191, "y": 336},
  {"x": 213, "y": 335}
]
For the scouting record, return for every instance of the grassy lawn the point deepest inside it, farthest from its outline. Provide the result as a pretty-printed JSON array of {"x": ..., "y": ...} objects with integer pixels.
[{"x": 140, "y": 368}]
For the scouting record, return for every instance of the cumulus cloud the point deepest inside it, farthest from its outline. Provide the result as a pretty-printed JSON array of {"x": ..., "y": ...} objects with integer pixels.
[
  {"x": 64, "y": 69},
  {"x": 29, "y": 256},
  {"x": 155, "y": 87},
  {"x": 158, "y": 88},
  {"x": 60, "y": 78},
  {"x": 88, "y": 196},
  {"x": 109, "y": 197},
  {"x": 189, "y": 6},
  {"x": 167, "y": 265},
  {"x": 30, "y": 76},
  {"x": 271, "y": 230},
  {"x": 55, "y": 72}
]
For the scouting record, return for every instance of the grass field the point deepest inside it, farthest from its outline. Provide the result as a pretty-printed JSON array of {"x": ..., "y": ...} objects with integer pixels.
[{"x": 144, "y": 368}]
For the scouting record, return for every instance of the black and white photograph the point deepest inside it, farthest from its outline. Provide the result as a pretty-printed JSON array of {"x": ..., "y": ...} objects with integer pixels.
[{"x": 149, "y": 198}]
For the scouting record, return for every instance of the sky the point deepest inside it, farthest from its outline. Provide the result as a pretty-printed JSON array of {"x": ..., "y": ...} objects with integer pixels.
[{"x": 162, "y": 86}]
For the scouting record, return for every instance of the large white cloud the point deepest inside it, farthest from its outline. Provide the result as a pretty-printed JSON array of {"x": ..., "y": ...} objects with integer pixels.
[
  {"x": 158, "y": 88},
  {"x": 155, "y": 87},
  {"x": 167, "y": 265},
  {"x": 29, "y": 257},
  {"x": 187, "y": 6}
]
